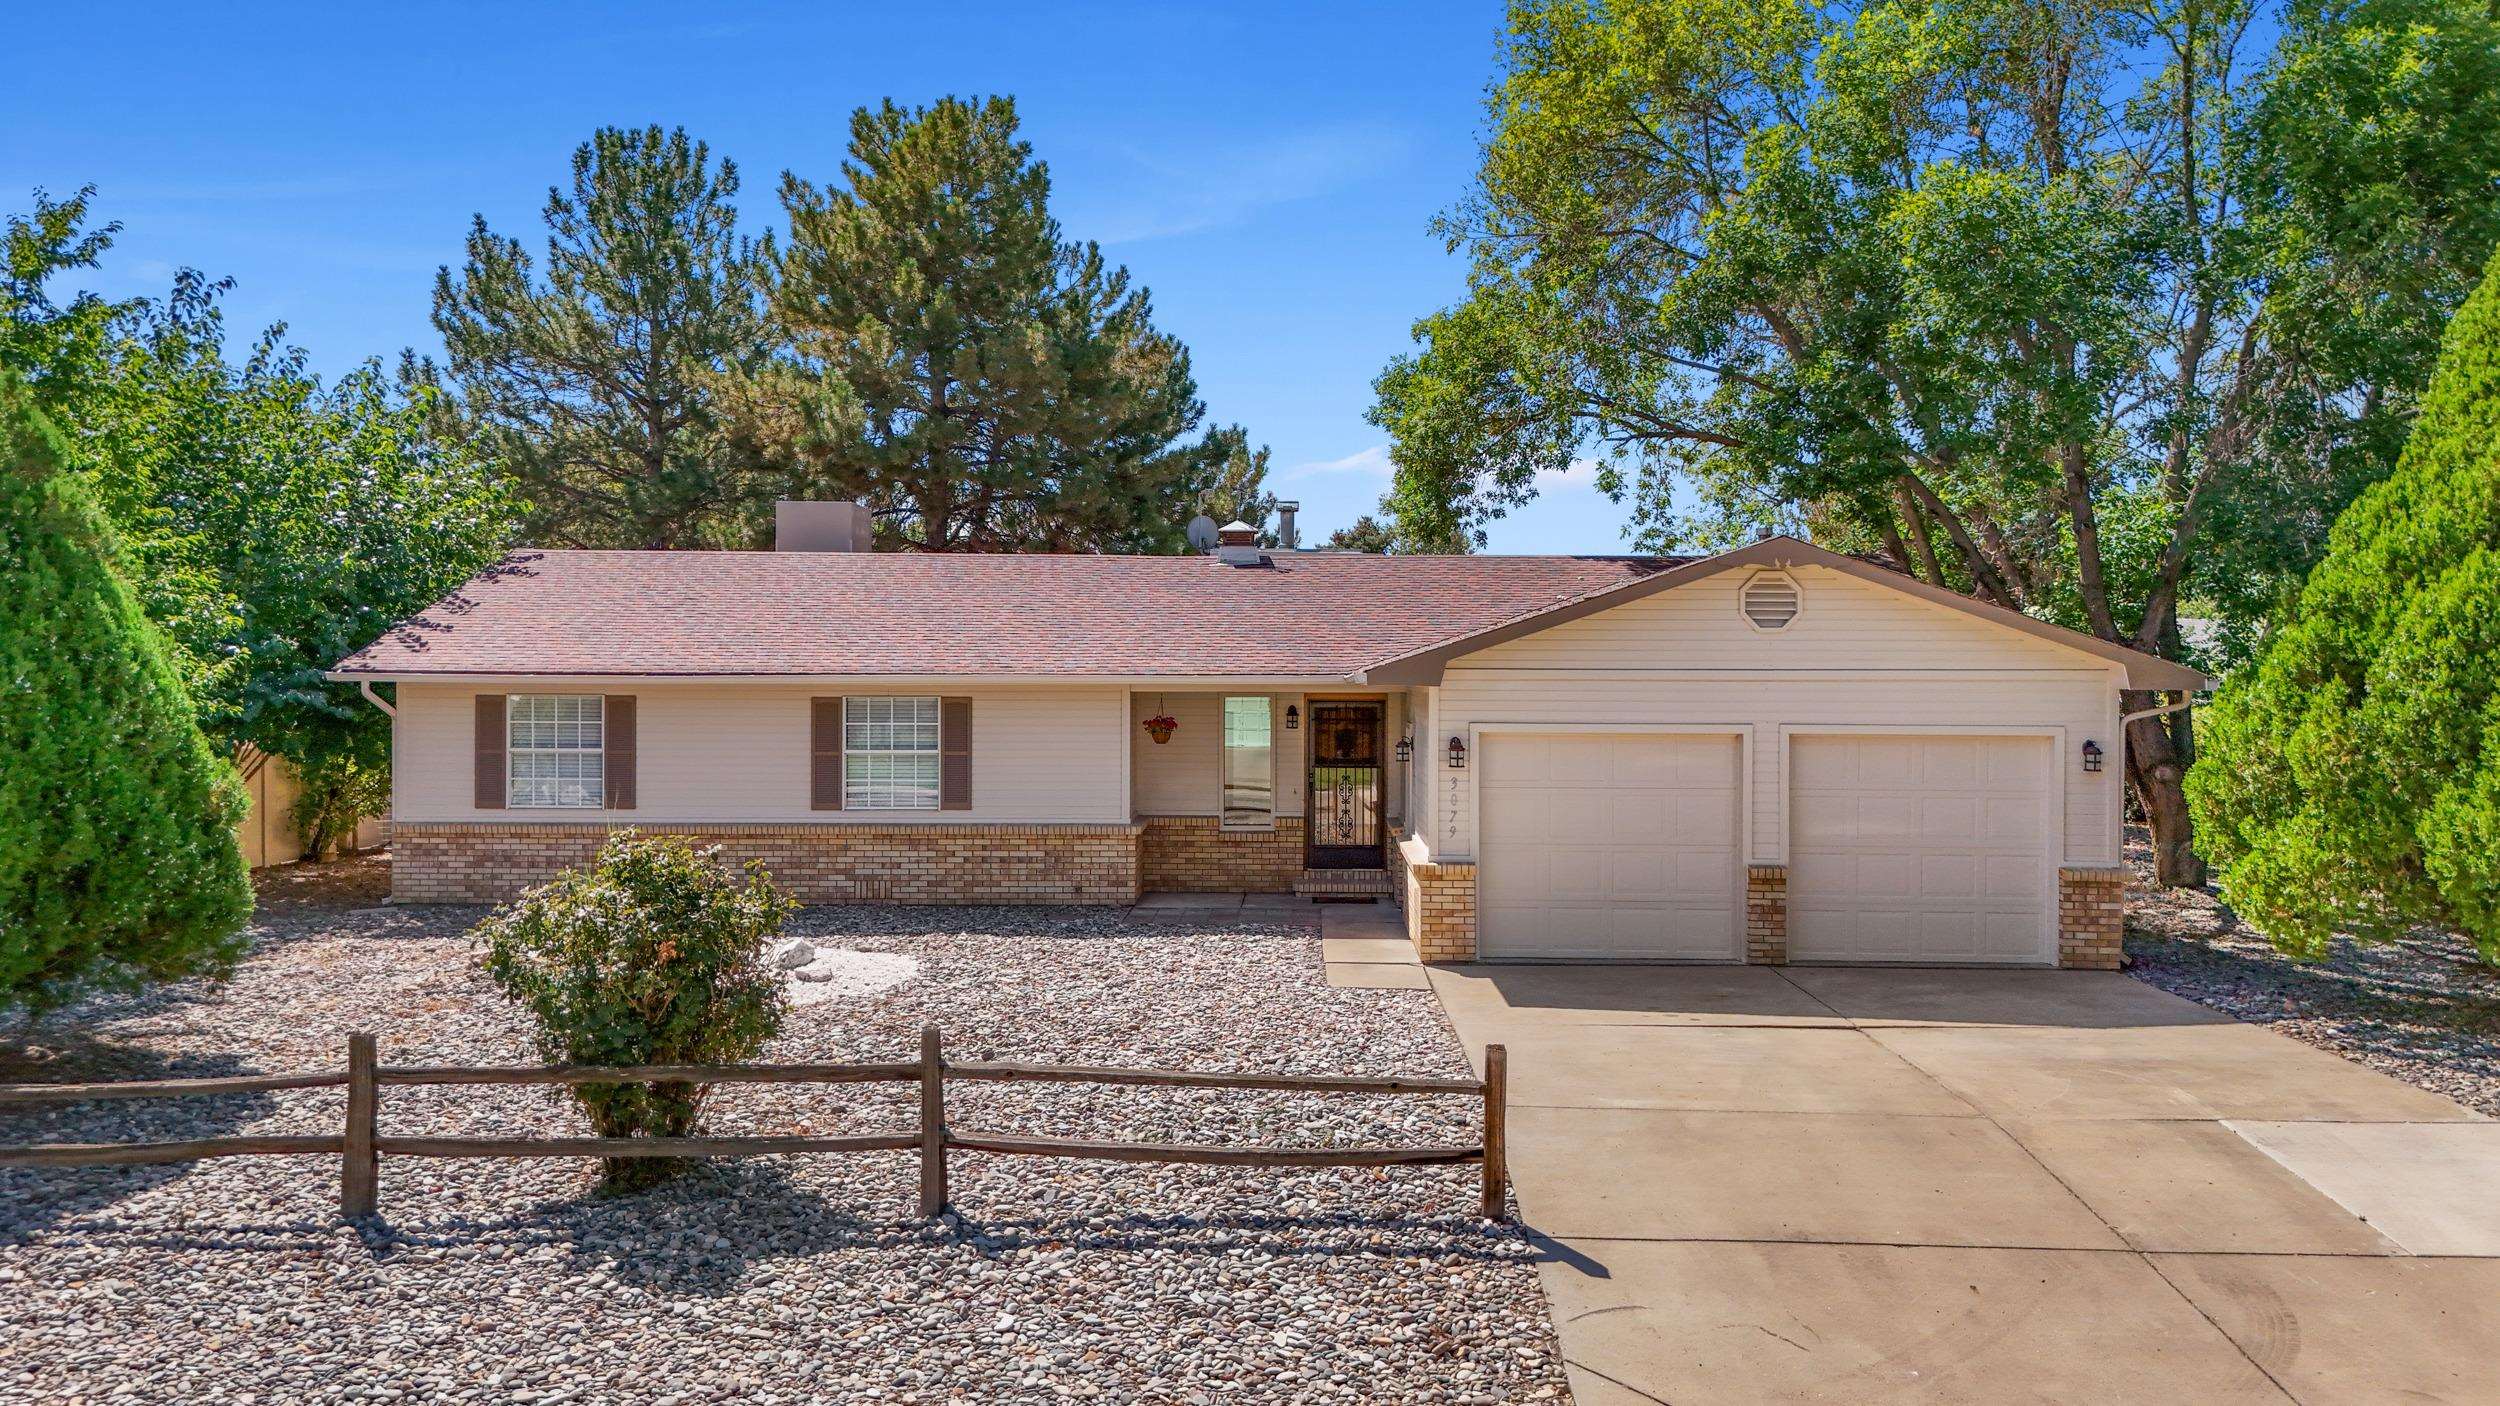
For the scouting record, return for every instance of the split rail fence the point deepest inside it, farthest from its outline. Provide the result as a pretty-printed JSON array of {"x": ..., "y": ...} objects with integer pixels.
[{"x": 360, "y": 1148}]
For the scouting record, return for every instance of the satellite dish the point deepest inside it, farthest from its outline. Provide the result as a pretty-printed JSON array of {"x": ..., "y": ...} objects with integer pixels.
[{"x": 1202, "y": 533}]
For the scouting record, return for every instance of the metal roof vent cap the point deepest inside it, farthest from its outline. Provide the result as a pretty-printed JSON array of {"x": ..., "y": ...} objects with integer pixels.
[
  {"x": 1237, "y": 544},
  {"x": 1770, "y": 600}
]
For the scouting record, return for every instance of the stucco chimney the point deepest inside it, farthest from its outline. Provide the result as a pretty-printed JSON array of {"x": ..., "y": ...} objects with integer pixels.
[{"x": 802, "y": 526}]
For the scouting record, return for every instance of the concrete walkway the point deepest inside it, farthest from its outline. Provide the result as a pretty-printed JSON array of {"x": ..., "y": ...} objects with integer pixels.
[{"x": 1858, "y": 1185}]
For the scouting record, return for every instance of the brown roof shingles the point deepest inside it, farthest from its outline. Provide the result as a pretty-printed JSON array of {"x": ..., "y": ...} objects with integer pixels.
[{"x": 969, "y": 616}]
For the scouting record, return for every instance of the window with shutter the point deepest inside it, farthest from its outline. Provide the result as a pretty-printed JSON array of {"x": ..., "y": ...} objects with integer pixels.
[{"x": 824, "y": 753}]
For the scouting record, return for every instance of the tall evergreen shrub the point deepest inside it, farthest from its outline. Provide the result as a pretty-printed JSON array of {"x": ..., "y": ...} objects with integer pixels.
[
  {"x": 118, "y": 859},
  {"x": 2350, "y": 780}
]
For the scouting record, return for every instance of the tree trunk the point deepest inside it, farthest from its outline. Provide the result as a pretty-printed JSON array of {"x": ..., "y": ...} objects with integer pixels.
[{"x": 2156, "y": 767}]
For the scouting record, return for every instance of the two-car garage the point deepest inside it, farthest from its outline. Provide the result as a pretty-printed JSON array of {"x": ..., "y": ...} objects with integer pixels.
[{"x": 1900, "y": 846}]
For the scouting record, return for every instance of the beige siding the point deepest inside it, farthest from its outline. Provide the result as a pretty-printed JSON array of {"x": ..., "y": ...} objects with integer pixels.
[
  {"x": 1184, "y": 776},
  {"x": 738, "y": 752},
  {"x": 1858, "y": 656},
  {"x": 1846, "y": 623}
]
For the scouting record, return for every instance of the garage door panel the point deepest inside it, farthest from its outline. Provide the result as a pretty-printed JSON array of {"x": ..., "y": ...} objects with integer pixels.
[
  {"x": 1610, "y": 846},
  {"x": 1948, "y": 876},
  {"x": 1576, "y": 761},
  {"x": 1638, "y": 818},
  {"x": 2014, "y": 821},
  {"x": 1919, "y": 848}
]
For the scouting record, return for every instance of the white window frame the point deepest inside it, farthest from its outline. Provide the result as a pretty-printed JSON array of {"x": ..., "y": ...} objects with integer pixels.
[
  {"x": 873, "y": 776},
  {"x": 584, "y": 734},
  {"x": 1248, "y": 820}
]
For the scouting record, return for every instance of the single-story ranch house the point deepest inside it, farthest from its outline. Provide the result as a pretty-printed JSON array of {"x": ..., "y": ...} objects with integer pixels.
[{"x": 1776, "y": 754}]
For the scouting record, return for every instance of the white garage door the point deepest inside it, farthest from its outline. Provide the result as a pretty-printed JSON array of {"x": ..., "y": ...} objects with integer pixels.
[
  {"x": 1609, "y": 845},
  {"x": 1921, "y": 849}
]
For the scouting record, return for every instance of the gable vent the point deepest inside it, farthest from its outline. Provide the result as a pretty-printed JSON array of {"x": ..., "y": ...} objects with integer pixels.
[{"x": 1771, "y": 600}]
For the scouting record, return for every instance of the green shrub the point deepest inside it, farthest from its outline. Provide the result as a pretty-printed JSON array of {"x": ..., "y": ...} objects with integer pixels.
[
  {"x": 653, "y": 955},
  {"x": 118, "y": 859},
  {"x": 2350, "y": 780},
  {"x": 334, "y": 795}
]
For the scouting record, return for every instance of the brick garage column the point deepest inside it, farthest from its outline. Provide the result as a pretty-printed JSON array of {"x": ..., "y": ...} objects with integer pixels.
[
  {"x": 2091, "y": 917},
  {"x": 1440, "y": 903},
  {"x": 1766, "y": 915}
]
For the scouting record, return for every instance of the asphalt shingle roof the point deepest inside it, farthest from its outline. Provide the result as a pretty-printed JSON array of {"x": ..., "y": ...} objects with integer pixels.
[{"x": 893, "y": 613}]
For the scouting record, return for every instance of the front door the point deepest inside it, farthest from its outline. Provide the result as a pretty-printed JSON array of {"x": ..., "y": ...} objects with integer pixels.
[{"x": 1344, "y": 798}]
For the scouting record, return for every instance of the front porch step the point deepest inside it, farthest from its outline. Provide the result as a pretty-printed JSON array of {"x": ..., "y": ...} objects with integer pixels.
[{"x": 1343, "y": 883}]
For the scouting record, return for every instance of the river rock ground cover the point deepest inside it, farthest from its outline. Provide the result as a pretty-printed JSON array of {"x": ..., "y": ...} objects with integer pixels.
[{"x": 779, "y": 1279}]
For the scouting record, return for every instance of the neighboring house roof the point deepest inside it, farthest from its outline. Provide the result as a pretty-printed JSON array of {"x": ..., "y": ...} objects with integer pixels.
[{"x": 1375, "y": 619}]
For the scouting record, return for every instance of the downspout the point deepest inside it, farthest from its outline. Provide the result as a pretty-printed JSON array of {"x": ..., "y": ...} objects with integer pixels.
[
  {"x": 365, "y": 687},
  {"x": 2186, "y": 700}
]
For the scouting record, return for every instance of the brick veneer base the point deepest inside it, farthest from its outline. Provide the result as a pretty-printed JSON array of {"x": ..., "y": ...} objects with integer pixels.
[
  {"x": 826, "y": 863},
  {"x": 2091, "y": 917},
  {"x": 1196, "y": 854},
  {"x": 1766, "y": 914},
  {"x": 1440, "y": 904}
]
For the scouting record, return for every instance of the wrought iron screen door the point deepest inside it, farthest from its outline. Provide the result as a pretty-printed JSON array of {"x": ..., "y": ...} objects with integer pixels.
[{"x": 1344, "y": 809}]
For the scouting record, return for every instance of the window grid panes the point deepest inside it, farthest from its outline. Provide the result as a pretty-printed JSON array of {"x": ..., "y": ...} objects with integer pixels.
[
  {"x": 1249, "y": 763},
  {"x": 890, "y": 753},
  {"x": 555, "y": 750}
]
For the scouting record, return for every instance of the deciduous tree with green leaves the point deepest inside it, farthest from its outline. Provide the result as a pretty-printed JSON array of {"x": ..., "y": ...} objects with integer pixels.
[
  {"x": 601, "y": 377},
  {"x": 2350, "y": 781},
  {"x": 118, "y": 860},
  {"x": 2093, "y": 309},
  {"x": 269, "y": 524},
  {"x": 981, "y": 382}
]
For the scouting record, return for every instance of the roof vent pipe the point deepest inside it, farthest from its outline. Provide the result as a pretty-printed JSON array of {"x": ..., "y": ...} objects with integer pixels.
[
  {"x": 801, "y": 526},
  {"x": 1287, "y": 535}
]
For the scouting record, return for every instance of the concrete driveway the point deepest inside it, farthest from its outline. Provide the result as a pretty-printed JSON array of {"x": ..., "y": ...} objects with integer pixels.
[{"x": 1860, "y": 1185}]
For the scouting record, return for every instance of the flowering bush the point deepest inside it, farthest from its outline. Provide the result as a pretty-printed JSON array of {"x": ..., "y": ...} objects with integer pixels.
[{"x": 654, "y": 955}]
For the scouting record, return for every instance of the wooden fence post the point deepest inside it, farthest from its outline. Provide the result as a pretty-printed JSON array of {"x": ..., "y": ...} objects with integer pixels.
[
  {"x": 359, "y": 1166},
  {"x": 1496, "y": 1134},
  {"x": 932, "y": 1123}
]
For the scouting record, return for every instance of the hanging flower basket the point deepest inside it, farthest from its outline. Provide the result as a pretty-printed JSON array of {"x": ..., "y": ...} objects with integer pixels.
[{"x": 1161, "y": 726}]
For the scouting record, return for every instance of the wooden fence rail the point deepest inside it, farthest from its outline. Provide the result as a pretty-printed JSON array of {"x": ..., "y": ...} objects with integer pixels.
[{"x": 360, "y": 1148}]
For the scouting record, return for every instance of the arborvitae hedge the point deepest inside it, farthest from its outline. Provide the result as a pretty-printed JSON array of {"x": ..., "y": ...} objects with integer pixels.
[
  {"x": 2350, "y": 780},
  {"x": 118, "y": 860}
]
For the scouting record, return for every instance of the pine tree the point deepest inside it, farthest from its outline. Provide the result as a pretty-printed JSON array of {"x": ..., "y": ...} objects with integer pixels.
[
  {"x": 118, "y": 860},
  {"x": 601, "y": 380},
  {"x": 2351, "y": 778},
  {"x": 983, "y": 384}
]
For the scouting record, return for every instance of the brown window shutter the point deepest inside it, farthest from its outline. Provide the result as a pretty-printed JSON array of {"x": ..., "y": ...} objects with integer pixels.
[
  {"x": 824, "y": 753},
  {"x": 490, "y": 748},
  {"x": 954, "y": 754},
  {"x": 619, "y": 763}
]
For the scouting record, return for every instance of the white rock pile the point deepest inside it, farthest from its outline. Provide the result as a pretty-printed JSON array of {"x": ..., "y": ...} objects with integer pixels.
[{"x": 819, "y": 974}]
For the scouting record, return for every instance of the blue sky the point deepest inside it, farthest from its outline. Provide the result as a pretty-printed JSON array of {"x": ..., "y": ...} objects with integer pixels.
[{"x": 1267, "y": 171}]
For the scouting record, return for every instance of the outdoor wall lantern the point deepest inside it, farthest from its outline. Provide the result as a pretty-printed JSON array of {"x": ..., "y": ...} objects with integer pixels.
[
  {"x": 1293, "y": 717},
  {"x": 1458, "y": 754},
  {"x": 2091, "y": 756},
  {"x": 1406, "y": 747}
]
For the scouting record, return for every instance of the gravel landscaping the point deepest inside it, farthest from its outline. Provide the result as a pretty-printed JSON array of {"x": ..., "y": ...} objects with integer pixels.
[
  {"x": 2425, "y": 1010},
  {"x": 781, "y": 1279}
]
